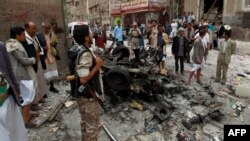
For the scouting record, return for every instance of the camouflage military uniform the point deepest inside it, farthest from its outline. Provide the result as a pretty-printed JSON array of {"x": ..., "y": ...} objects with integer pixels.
[
  {"x": 89, "y": 108},
  {"x": 90, "y": 111}
]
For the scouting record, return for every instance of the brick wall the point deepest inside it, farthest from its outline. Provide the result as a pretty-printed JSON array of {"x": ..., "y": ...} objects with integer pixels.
[{"x": 17, "y": 12}]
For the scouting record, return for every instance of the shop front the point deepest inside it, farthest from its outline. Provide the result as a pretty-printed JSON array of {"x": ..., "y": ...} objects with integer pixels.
[{"x": 142, "y": 11}]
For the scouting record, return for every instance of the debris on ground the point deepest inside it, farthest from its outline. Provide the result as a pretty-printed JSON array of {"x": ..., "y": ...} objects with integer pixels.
[
  {"x": 68, "y": 103},
  {"x": 243, "y": 91},
  {"x": 136, "y": 105},
  {"x": 150, "y": 107},
  {"x": 182, "y": 136}
]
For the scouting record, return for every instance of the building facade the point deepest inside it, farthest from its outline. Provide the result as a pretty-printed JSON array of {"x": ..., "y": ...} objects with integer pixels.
[
  {"x": 98, "y": 11},
  {"x": 76, "y": 10},
  {"x": 141, "y": 11},
  {"x": 91, "y": 11},
  {"x": 17, "y": 12}
]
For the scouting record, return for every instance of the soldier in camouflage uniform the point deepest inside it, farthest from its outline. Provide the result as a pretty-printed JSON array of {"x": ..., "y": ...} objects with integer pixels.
[{"x": 87, "y": 70}]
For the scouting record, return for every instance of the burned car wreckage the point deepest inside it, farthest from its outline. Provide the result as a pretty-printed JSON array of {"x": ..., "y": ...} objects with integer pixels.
[
  {"x": 124, "y": 79},
  {"x": 122, "y": 74}
]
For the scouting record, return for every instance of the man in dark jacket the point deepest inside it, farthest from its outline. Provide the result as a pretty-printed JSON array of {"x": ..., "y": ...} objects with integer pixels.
[
  {"x": 30, "y": 44},
  {"x": 34, "y": 49},
  {"x": 179, "y": 49},
  {"x": 220, "y": 33}
]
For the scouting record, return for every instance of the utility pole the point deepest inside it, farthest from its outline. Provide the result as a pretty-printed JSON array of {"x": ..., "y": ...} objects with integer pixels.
[
  {"x": 177, "y": 9},
  {"x": 150, "y": 9},
  {"x": 63, "y": 3},
  {"x": 100, "y": 12}
]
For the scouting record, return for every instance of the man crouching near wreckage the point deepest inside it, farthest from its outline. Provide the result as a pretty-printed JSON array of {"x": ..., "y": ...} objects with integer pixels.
[{"x": 85, "y": 83}]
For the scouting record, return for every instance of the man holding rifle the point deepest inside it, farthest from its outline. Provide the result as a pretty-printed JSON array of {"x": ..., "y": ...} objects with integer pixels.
[{"x": 85, "y": 84}]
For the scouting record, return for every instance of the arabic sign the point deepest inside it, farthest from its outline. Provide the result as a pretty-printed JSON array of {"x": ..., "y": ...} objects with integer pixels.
[
  {"x": 115, "y": 7},
  {"x": 135, "y": 4}
]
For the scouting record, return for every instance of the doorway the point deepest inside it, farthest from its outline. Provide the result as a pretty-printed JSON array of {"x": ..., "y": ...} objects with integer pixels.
[{"x": 213, "y": 4}]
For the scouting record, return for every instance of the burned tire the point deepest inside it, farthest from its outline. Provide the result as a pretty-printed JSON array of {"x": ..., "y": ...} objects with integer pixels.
[
  {"x": 123, "y": 51},
  {"x": 118, "y": 79}
]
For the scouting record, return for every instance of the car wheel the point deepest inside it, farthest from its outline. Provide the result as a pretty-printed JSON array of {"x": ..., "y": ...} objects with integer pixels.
[
  {"x": 118, "y": 79},
  {"x": 123, "y": 51}
]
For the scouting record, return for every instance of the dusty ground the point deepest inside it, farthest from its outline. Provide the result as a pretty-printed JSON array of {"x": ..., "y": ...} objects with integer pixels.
[{"x": 128, "y": 124}]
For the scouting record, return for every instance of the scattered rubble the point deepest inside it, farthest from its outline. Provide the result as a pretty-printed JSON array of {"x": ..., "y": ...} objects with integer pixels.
[
  {"x": 243, "y": 91},
  {"x": 154, "y": 107},
  {"x": 68, "y": 104}
]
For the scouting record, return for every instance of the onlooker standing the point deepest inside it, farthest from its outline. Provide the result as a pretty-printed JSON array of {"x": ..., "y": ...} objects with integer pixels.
[
  {"x": 104, "y": 33},
  {"x": 127, "y": 28},
  {"x": 194, "y": 24},
  {"x": 179, "y": 49},
  {"x": 193, "y": 16},
  {"x": 174, "y": 26},
  {"x": 210, "y": 32},
  {"x": 160, "y": 41},
  {"x": 135, "y": 34},
  {"x": 23, "y": 70},
  {"x": 11, "y": 121},
  {"x": 154, "y": 27},
  {"x": 220, "y": 33},
  {"x": 154, "y": 31},
  {"x": 29, "y": 43},
  {"x": 206, "y": 41},
  {"x": 190, "y": 18},
  {"x": 118, "y": 34},
  {"x": 184, "y": 17},
  {"x": 99, "y": 36},
  {"x": 198, "y": 55},
  {"x": 48, "y": 39},
  {"x": 184, "y": 24},
  {"x": 148, "y": 30},
  {"x": 189, "y": 34},
  {"x": 168, "y": 28},
  {"x": 211, "y": 26},
  {"x": 33, "y": 49},
  {"x": 202, "y": 22},
  {"x": 142, "y": 29},
  {"x": 226, "y": 49}
]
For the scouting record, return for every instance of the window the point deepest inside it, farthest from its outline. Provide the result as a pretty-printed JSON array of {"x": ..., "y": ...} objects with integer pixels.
[
  {"x": 96, "y": 9},
  {"x": 247, "y": 3},
  {"x": 77, "y": 3}
]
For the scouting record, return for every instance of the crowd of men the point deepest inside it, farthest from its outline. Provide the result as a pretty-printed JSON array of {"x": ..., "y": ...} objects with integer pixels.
[
  {"x": 28, "y": 62},
  {"x": 191, "y": 42}
]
